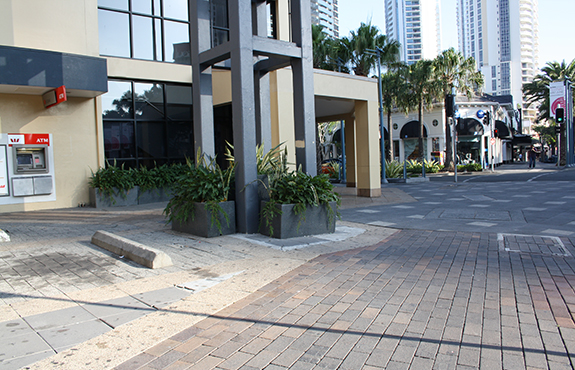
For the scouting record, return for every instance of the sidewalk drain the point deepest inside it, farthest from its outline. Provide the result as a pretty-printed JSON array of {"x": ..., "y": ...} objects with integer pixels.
[{"x": 532, "y": 244}]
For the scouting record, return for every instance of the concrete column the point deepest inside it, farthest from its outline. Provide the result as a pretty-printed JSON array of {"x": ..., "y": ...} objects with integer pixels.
[
  {"x": 350, "y": 145},
  {"x": 244, "y": 116},
  {"x": 367, "y": 149},
  {"x": 304, "y": 109},
  {"x": 262, "y": 81},
  {"x": 200, "y": 40}
]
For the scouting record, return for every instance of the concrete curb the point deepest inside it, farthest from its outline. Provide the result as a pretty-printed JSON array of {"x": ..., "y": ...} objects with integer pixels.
[
  {"x": 4, "y": 237},
  {"x": 132, "y": 250}
]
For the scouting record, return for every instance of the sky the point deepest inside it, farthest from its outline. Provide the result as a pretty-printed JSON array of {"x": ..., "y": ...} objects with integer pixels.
[{"x": 555, "y": 22}]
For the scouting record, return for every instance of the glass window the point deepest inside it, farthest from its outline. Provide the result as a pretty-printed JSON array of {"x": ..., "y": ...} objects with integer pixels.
[
  {"x": 119, "y": 140},
  {"x": 180, "y": 140},
  {"x": 117, "y": 102},
  {"x": 176, "y": 9},
  {"x": 161, "y": 130},
  {"x": 143, "y": 38},
  {"x": 177, "y": 42},
  {"x": 114, "y": 32},
  {"x": 149, "y": 101},
  {"x": 151, "y": 140},
  {"x": 143, "y": 31},
  {"x": 142, "y": 6},
  {"x": 114, "y": 4},
  {"x": 179, "y": 102}
]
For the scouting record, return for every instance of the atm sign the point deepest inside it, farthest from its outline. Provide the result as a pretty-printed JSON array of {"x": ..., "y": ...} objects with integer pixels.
[{"x": 29, "y": 139}]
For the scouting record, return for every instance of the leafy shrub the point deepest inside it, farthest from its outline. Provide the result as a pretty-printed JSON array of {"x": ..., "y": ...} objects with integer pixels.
[
  {"x": 112, "y": 180},
  {"x": 393, "y": 169},
  {"x": 206, "y": 183},
  {"x": 470, "y": 167},
  {"x": 300, "y": 189}
]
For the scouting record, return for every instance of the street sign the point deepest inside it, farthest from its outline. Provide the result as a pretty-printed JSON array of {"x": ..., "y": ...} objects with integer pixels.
[{"x": 492, "y": 141}]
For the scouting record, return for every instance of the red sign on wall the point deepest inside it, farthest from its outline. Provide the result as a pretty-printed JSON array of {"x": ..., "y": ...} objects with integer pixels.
[
  {"x": 54, "y": 97},
  {"x": 29, "y": 139}
]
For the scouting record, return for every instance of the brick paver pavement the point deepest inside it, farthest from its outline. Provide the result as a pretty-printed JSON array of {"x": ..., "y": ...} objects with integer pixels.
[{"x": 418, "y": 300}]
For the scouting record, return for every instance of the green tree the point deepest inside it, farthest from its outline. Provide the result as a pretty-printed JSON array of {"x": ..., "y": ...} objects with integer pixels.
[
  {"x": 367, "y": 37},
  {"x": 328, "y": 53},
  {"x": 423, "y": 89},
  {"x": 394, "y": 95},
  {"x": 537, "y": 92},
  {"x": 455, "y": 74}
]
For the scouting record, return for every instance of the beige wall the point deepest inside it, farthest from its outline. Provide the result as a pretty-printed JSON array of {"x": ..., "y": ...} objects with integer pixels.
[
  {"x": 69, "y": 26},
  {"x": 148, "y": 70},
  {"x": 73, "y": 128}
]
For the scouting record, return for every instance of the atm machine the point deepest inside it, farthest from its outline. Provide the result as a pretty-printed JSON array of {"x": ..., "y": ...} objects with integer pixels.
[{"x": 26, "y": 168}]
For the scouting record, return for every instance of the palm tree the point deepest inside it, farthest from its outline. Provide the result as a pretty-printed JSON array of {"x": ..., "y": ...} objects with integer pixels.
[
  {"x": 455, "y": 73},
  {"x": 328, "y": 53},
  {"x": 367, "y": 37},
  {"x": 423, "y": 90},
  {"x": 394, "y": 88},
  {"x": 537, "y": 91}
]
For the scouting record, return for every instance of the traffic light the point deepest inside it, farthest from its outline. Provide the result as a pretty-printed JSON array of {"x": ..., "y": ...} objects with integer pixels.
[
  {"x": 486, "y": 119},
  {"x": 559, "y": 115},
  {"x": 449, "y": 105},
  {"x": 496, "y": 133}
]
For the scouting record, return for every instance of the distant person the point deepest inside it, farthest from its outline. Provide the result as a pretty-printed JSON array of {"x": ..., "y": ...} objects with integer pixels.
[
  {"x": 520, "y": 157},
  {"x": 531, "y": 156}
]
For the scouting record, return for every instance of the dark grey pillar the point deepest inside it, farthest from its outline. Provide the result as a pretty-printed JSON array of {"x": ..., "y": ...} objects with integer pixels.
[
  {"x": 304, "y": 110},
  {"x": 200, "y": 40},
  {"x": 244, "y": 115},
  {"x": 262, "y": 81}
]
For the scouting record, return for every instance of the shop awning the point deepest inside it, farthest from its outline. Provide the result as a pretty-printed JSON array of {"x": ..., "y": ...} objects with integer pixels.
[
  {"x": 34, "y": 72},
  {"x": 469, "y": 127},
  {"x": 411, "y": 130},
  {"x": 502, "y": 130}
]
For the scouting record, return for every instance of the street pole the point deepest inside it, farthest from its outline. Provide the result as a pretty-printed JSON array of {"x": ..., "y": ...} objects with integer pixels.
[
  {"x": 453, "y": 148},
  {"x": 381, "y": 128}
]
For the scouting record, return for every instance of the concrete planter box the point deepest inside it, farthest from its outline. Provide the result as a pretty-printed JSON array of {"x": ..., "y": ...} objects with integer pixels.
[
  {"x": 317, "y": 221},
  {"x": 100, "y": 200},
  {"x": 409, "y": 180},
  {"x": 201, "y": 223},
  {"x": 154, "y": 195}
]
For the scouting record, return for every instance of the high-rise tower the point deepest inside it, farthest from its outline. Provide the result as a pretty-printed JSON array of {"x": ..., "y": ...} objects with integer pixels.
[
  {"x": 415, "y": 24},
  {"x": 502, "y": 36},
  {"x": 326, "y": 14}
]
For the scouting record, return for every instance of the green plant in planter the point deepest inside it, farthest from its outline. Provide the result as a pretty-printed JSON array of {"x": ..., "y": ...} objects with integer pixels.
[
  {"x": 300, "y": 189},
  {"x": 158, "y": 177},
  {"x": 112, "y": 180},
  {"x": 393, "y": 169},
  {"x": 204, "y": 182}
]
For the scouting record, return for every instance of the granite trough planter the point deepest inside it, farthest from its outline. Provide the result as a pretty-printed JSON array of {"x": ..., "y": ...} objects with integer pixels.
[
  {"x": 201, "y": 222},
  {"x": 318, "y": 220},
  {"x": 119, "y": 198},
  {"x": 154, "y": 195}
]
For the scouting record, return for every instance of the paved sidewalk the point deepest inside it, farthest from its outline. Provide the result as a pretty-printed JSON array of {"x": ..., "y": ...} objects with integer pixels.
[
  {"x": 418, "y": 300},
  {"x": 59, "y": 293}
]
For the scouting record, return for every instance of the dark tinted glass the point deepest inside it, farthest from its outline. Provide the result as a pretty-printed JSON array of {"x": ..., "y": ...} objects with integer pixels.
[
  {"x": 143, "y": 38},
  {"x": 179, "y": 103},
  {"x": 117, "y": 102},
  {"x": 114, "y": 32},
  {"x": 177, "y": 42},
  {"x": 149, "y": 101},
  {"x": 151, "y": 140},
  {"x": 119, "y": 140},
  {"x": 180, "y": 140}
]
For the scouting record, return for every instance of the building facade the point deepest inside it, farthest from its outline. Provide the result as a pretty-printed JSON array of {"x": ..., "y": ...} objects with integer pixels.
[
  {"x": 415, "y": 24},
  {"x": 502, "y": 36},
  {"x": 130, "y": 92},
  {"x": 326, "y": 13}
]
